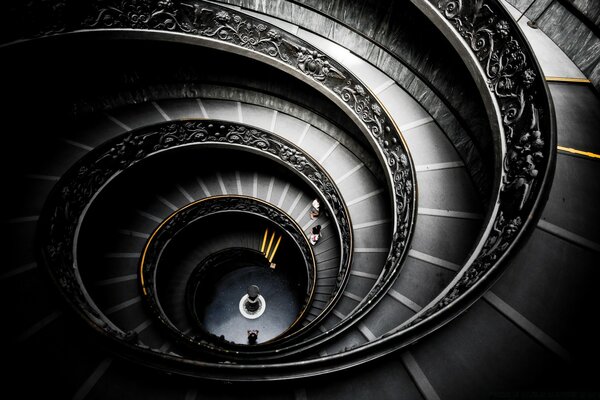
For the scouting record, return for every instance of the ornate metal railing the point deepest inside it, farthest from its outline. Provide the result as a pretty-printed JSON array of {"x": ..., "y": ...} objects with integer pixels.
[
  {"x": 514, "y": 87},
  {"x": 193, "y": 213},
  {"x": 522, "y": 117},
  {"x": 208, "y": 24},
  {"x": 70, "y": 199},
  {"x": 520, "y": 113}
]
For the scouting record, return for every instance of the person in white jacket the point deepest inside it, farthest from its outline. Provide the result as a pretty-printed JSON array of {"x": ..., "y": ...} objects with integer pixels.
[{"x": 315, "y": 209}]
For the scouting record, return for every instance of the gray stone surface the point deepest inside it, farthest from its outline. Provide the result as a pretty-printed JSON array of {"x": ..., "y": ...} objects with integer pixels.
[
  {"x": 553, "y": 61},
  {"x": 530, "y": 285},
  {"x": 590, "y": 8},
  {"x": 577, "y": 116},
  {"x": 389, "y": 46},
  {"x": 257, "y": 116},
  {"x": 481, "y": 351},
  {"x": 61, "y": 155},
  {"x": 537, "y": 8},
  {"x": 118, "y": 294},
  {"x": 125, "y": 244},
  {"x": 289, "y": 127},
  {"x": 344, "y": 306},
  {"x": 182, "y": 109},
  {"x": 421, "y": 281},
  {"x": 155, "y": 208},
  {"x": 392, "y": 382},
  {"x": 369, "y": 75},
  {"x": 131, "y": 316},
  {"x": 368, "y": 210},
  {"x": 402, "y": 107},
  {"x": 257, "y": 109},
  {"x": 429, "y": 145},
  {"x": 388, "y": 315},
  {"x": 359, "y": 286},
  {"x": 348, "y": 339},
  {"x": 447, "y": 189},
  {"x": 316, "y": 143},
  {"x": 340, "y": 162},
  {"x": 521, "y": 5},
  {"x": 353, "y": 190},
  {"x": 573, "y": 200},
  {"x": 139, "y": 223},
  {"x": 221, "y": 109},
  {"x": 373, "y": 236},
  {"x": 594, "y": 74},
  {"x": 369, "y": 262},
  {"x": 141, "y": 115},
  {"x": 97, "y": 131},
  {"x": 578, "y": 42},
  {"x": 450, "y": 239}
]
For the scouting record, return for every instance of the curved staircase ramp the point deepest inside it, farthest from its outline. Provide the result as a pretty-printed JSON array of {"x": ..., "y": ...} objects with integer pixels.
[{"x": 450, "y": 254}]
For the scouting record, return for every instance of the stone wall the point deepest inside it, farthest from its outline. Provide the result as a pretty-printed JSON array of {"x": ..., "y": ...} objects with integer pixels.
[{"x": 574, "y": 25}]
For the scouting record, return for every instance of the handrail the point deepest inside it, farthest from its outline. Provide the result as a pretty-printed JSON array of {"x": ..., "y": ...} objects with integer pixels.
[
  {"x": 520, "y": 113},
  {"x": 512, "y": 83},
  {"x": 70, "y": 199},
  {"x": 208, "y": 24},
  {"x": 195, "y": 212}
]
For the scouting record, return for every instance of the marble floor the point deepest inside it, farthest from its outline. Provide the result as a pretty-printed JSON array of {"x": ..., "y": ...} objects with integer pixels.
[{"x": 282, "y": 296}]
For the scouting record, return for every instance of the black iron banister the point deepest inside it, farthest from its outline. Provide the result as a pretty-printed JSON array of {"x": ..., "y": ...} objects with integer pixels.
[
  {"x": 70, "y": 199},
  {"x": 512, "y": 81},
  {"x": 195, "y": 212},
  {"x": 211, "y": 25},
  {"x": 519, "y": 109}
]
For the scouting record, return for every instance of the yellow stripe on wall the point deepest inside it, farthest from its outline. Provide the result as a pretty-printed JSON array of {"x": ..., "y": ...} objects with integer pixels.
[
  {"x": 275, "y": 249},
  {"x": 578, "y": 152},
  {"x": 264, "y": 241},
  {"x": 567, "y": 80}
]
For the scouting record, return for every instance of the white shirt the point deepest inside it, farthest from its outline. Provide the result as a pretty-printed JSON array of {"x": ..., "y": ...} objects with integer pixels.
[{"x": 316, "y": 204}]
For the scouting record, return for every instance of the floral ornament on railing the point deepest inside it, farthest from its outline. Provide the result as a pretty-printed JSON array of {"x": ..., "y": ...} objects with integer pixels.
[
  {"x": 363, "y": 105},
  {"x": 511, "y": 75},
  {"x": 315, "y": 64},
  {"x": 245, "y": 33},
  {"x": 514, "y": 84},
  {"x": 511, "y": 78},
  {"x": 214, "y": 23},
  {"x": 138, "y": 14},
  {"x": 193, "y": 213},
  {"x": 371, "y": 113},
  {"x": 79, "y": 186}
]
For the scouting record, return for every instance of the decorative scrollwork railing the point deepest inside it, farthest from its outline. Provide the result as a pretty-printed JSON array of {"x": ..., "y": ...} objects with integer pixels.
[
  {"x": 515, "y": 84},
  {"x": 72, "y": 196},
  {"x": 211, "y": 25},
  {"x": 511, "y": 83},
  {"x": 193, "y": 213}
]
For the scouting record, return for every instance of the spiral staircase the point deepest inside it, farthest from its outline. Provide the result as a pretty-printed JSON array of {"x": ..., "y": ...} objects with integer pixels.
[{"x": 163, "y": 156}]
